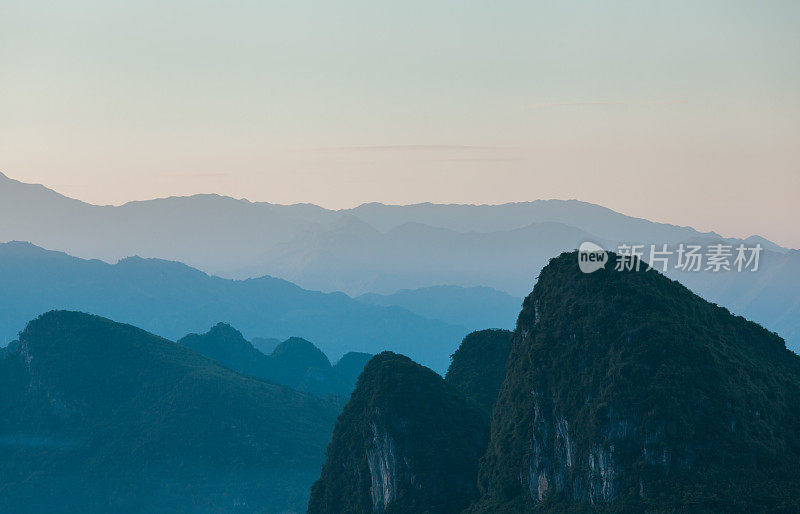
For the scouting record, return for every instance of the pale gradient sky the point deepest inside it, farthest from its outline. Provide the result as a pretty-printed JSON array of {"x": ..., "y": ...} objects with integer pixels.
[{"x": 686, "y": 112}]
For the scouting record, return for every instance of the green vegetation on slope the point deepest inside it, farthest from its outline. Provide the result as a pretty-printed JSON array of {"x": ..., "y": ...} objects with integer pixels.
[
  {"x": 625, "y": 391},
  {"x": 405, "y": 442},
  {"x": 478, "y": 367},
  {"x": 102, "y": 416}
]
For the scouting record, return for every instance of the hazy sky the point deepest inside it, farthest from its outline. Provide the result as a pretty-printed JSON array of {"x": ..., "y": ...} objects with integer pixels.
[{"x": 685, "y": 112}]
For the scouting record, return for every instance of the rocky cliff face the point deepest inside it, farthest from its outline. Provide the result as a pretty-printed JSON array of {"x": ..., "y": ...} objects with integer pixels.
[
  {"x": 553, "y": 459},
  {"x": 382, "y": 460},
  {"x": 626, "y": 391},
  {"x": 405, "y": 442}
]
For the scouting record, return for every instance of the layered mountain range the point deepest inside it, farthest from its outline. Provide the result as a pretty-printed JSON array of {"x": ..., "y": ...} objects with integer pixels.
[
  {"x": 618, "y": 391},
  {"x": 296, "y": 363},
  {"x": 622, "y": 391},
  {"x": 171, "y": 300},
  {"x": 381, "y": 249}
]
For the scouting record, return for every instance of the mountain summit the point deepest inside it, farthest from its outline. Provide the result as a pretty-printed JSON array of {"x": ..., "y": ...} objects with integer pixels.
[
  {"x": 625, "y": 390},
  {"x": 295, "y": 363},
  {"x": 226, "y": 345},
  {"x": 406, "y": 442},
  {"x": 621, "y": 391}
]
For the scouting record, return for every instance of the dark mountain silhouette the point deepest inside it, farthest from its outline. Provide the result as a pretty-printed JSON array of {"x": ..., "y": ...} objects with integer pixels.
[
  {"x": 296, "y": 351},
  {"x": 472, "y": 307},
  {"x": 171, "y": 299},
  {"x": 770, "y": 296},
  {"x": 226, "y": 345},
  {"x": 627, "y": 392},
  {"x": 405, "y": 442},
  {"x": 105, "y": 417},
  {"x": 300, "y": 364},
  {"x": 296, "y": 363},
  {"x": 478, "y": 367}
]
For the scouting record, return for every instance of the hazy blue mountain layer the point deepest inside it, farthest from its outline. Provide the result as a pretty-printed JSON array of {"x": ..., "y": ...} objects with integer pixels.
[
  {"x": 474, "y": 307},
  {"x": 245, "y": 233},
  {"x": 381, "y": 249},
  {"x": 265, "y": 345},
  {"x": 353, "y": 257},
  {"x": 171, "y": 299}
]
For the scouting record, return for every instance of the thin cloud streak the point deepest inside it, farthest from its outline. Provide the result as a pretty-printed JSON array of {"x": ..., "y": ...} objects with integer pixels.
[
  {"x": 412, "y": 148},
  {"x": 605, "y": 104}
]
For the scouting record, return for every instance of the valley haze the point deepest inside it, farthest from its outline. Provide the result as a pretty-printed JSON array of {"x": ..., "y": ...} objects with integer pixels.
[{"x": 488, "y": 255}]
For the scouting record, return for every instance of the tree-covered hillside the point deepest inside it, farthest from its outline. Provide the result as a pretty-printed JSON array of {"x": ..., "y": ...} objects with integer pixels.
[
  {"x": 478, "y": 367},
  {"x": 101, "y": 416},
  {"x": 405, "y": 442},
  {"x": 627, "y": 392}
]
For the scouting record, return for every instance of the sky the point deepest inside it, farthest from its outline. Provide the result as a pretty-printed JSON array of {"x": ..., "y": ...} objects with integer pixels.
[{"x": 686, "y": 112}]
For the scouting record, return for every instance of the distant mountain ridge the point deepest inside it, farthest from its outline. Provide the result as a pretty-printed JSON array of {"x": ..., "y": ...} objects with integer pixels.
[
  {"x": 49, "y": 214},
  {"x": 357, "y": 258},
  {"x": 376, "y": 248},
  {"x": 252, "y": 237},
  {"x": 172, "y": 299},
  {"x": 295, "y": 363},
  {"x": 473, "y": 307}
]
